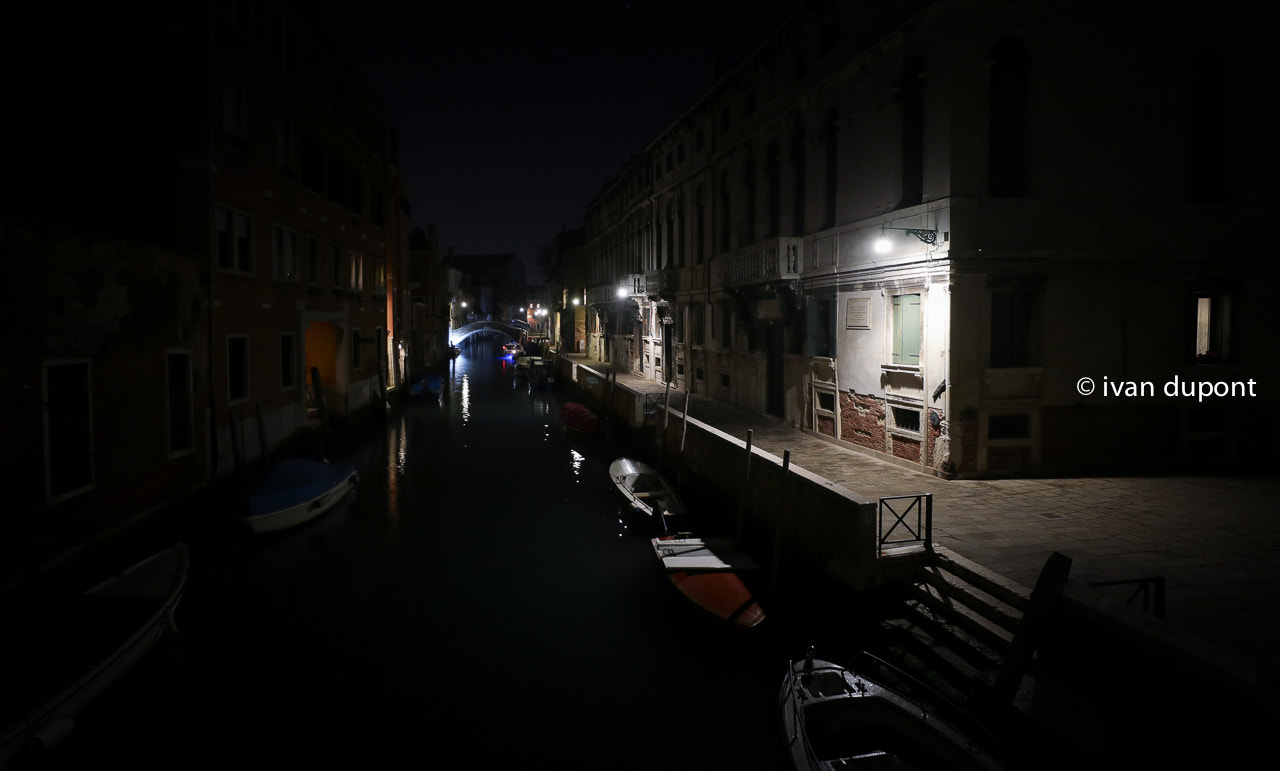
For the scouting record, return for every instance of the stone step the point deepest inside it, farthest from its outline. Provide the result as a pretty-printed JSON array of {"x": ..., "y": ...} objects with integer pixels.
[
  {"x": 940, "y": 623},
  {"x": 936, "y": 664},
  {"x": 997, "y": 586},
  {"x": 986, "y": 615}
]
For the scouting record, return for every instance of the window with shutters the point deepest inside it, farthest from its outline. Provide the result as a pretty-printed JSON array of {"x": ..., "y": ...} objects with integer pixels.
[{"x": 906, "y": 329}]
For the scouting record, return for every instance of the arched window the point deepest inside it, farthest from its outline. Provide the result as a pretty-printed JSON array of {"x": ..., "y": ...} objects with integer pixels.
[
  {"x": 911, "y": 97},
  {"x": 1008, "y": 156}
]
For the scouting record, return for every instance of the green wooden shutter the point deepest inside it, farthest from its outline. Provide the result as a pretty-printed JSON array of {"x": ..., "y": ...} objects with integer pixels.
[{"x": 906, "y": 329}]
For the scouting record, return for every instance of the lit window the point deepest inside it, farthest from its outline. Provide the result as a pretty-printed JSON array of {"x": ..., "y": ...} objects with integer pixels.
[{"x": 1212, "y": 332}]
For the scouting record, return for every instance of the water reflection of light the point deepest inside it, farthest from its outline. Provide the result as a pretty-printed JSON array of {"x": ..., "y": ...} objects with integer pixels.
[
  {"x": 576, "y": 459},
  {"x": 466, "y": 398}
]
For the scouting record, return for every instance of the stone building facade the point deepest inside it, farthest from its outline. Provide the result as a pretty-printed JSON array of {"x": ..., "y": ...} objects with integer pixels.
[{"x": 917, "y": 229}]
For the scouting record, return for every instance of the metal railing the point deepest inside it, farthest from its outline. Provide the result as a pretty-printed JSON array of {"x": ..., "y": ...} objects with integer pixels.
[
  {"x": 922, "y": 505},
  {"x": 1150, "y": 589}
]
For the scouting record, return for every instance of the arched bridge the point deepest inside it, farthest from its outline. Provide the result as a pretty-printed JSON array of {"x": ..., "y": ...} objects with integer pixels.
[{"x": 513, "y": 331}]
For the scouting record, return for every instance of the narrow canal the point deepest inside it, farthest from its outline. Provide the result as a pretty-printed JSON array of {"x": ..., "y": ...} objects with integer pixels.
[{"x": 481, "y": 602}]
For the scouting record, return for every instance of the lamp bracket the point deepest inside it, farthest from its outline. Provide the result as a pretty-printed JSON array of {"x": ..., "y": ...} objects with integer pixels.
[{"x": 927, "y": 236}]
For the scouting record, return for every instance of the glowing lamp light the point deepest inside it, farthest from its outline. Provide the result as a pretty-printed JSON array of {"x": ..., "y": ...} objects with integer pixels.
[
  {"x": 882, "y": 245},
  {"x": 575, "y": 301},
  {"x": 622, "y": 291}
]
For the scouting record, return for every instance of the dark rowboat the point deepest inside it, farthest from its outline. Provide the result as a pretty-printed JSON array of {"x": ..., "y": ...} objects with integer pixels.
[
  {"x": 577, "y": 417},
  {"x": 874, "y": 715}
]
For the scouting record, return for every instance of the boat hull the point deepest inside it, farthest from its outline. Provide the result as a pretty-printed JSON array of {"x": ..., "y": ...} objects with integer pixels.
[
  {"x": 143, "y": 599},
  {"x": 297, "y": 491},
  {"x": 648, "y": 493},
  {"x": 874, "y": 714},
  {"x": 705, "y": 571},
  {"x": 577, "y": 417}
]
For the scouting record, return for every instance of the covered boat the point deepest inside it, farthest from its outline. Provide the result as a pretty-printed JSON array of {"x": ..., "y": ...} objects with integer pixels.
[
  {"x": 297, "y": 490},
  {"x": 874, "y": 715},
  {"x": 69, "y": 652},
  {"x": 576, "y": 417},
  {"x": 706, "y": 572},
  {"x": 648, "y": 493}
]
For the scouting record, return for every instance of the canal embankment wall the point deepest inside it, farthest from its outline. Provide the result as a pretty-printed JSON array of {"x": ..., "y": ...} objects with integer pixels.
[{"x": 1099, "y": 666}]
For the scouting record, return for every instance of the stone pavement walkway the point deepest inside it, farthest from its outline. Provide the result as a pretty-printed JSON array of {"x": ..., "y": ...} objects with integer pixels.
[{"x": 1215, "y": 540}]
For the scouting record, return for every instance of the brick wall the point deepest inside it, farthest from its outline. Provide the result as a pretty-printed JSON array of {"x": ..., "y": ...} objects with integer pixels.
[{"x": 862, "y": 421}]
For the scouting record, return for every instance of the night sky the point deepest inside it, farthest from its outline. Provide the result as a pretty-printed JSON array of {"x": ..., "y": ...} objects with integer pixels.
[{"x": 514, "y": 116}]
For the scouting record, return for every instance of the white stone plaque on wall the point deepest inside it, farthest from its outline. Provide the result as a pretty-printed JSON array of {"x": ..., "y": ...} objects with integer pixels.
[{"x": 857, "y": 313}]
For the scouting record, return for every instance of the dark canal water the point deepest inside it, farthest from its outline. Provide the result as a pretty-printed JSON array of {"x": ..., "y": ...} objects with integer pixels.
[{"x": 480, "y": 603}]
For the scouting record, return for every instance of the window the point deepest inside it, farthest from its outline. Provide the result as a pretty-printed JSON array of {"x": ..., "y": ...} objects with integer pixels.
[
  {"x": 180, "y": 407},
  {"x": 1208, "y": 134},
  {"x": 288, "y": 361},
  {"x": 906, "y": 419},
  {"x": 906, "y": 329},
  {"x": 1008, "y": 131},
  {"x": 68, "y": 424},
  {"x": 283, "y": 44},
  {"x": 1211, "y": 339},
  {"x": 284, "y": 147},
  {"x": 234, "y": 130},
  {"x": 337, "y": 179},
  {"x": 1008, "y": 427},
  {"x": 697, "y": 321},
  {"x": 338, "y": 268},
  {"x": 377, "y": 207},
  {"x": 284, "y": 252},
  {"x": 355, "y": 349},
  {"x": 726, "y": 325},
  {"x": 357, "y": 272},
  {"x": 911, "y": 93},
  {"x": 379, "y": 277},
  {"x": 313, "y": 260},
  {"x": 234, "y": 239},
  {"x": 831, "y": 148},
  {"x": 313, "y": 160},
  {"x": 1013, "y": 328},
  {"x": 828, "y": 37},
  {"x": 820, "y": 326},
  {"x": 237, "y": 368}
]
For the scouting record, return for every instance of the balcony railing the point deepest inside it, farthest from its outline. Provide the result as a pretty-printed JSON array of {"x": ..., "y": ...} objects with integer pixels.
[
  {"x": 630, "y": 284},
  {"x": 662, "y": 283},
  {"x": 777, "y": 258}
]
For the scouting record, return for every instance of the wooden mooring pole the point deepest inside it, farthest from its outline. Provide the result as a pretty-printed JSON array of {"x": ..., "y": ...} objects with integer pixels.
[
  {"x": 262, "y": 436},
  {"x": 746, "y": 478},
  {"x": 320, "y": 407},
  {"x": 784, "y": 519}
]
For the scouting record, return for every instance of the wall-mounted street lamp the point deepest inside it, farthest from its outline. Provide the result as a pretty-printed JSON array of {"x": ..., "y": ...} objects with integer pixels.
[
  {"x": 929, "y": 237},
  {"x": 622, "y": 291}
]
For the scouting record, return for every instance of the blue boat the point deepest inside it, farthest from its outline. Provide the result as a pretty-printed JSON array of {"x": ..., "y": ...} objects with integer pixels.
[{"x": 297, "y": 490}]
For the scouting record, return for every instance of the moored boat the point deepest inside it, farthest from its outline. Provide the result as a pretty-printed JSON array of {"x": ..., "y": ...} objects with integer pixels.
[
  {"x": 71, "y": 652},
  {"x": 647, "y": 492},
  {"x": 296, "y": 490},
  {"x": 577, "y": 417},
  {"x": 705, "y": 570},
  {"x": 874, "y": 715}
]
